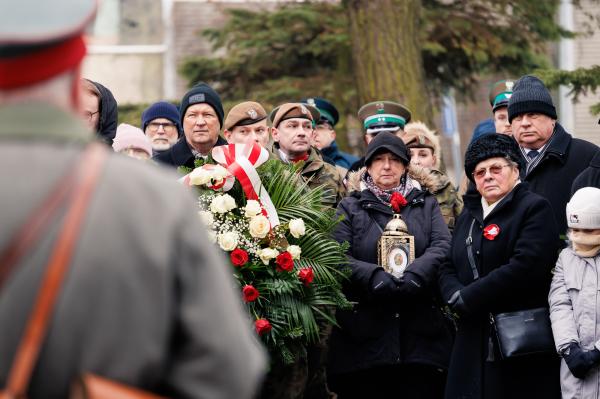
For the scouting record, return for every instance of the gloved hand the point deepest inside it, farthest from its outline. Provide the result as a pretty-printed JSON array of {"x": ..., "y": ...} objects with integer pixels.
[
  {"x": 411, "y": 284},
  {"x": 457, "y": 304},
  {"x": 580, "y": 361},
  {"x": 383, "y": 284}
]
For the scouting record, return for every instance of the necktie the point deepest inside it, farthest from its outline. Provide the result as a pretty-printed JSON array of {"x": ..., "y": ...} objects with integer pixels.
[{"x": 533, "y": 154}]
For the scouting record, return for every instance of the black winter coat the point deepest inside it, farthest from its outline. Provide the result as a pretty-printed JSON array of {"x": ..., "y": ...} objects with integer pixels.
[
  {"x": 403, "y": 330},
  {"x": 564, "y": 159},
  {"x": 181, "y": 154},
  {"x": 590, "y": 177},
  {"x": 515, "y": 274}
]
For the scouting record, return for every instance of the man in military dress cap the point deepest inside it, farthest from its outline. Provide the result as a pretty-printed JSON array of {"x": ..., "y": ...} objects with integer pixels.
[
  {"x": 247, "y": 123},
  {"x": 381, "y": 116},
  {"x": 324, "y": 134},
  {"x": 146, "y": 300},
  {"x": 499, "y": 95}
]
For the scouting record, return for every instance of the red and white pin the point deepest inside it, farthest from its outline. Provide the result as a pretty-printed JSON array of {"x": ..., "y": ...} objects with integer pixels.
[{"x": 491, "y": 231}]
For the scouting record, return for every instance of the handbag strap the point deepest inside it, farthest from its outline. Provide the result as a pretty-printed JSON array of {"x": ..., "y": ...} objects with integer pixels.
[
  {"x": 469, "y": 242},
  {"x": 37, "y": 325}
]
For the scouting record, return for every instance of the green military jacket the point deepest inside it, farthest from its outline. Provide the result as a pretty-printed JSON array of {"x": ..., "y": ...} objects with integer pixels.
[
  {"x": 317, "y": 173},
  {"x": 451, "y": 203}
]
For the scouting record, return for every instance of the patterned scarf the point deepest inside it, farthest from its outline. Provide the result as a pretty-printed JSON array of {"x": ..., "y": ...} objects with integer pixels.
[{"x": 385, "y": 196}]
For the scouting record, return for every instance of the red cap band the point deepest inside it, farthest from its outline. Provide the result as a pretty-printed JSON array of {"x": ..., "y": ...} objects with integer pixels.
[{"x": 40, "y": 65}]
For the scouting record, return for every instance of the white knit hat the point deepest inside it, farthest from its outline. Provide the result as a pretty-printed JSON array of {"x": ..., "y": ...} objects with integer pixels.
[{"x": 583, "y": 210}]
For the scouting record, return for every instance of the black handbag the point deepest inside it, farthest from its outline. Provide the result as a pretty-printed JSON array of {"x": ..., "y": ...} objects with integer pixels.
[
  {"x": 524, "y": 332},
  {"x": 520, "y": 333}
]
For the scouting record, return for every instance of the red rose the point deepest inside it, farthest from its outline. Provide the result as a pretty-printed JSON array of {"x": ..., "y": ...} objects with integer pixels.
[
  {"x": 397, "y": 201},
  {"x": 491, "y": 231},
  {"x": 250, "y": 293},
  {"x": 284, "y": 262},
  {"x": 306, "y": 275},
  {"x": 238, "y": 257},
  {"x": 262, "y": 326}
]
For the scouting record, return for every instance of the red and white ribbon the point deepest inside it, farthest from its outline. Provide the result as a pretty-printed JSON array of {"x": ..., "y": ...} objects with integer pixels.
[{"x": 241, "y": 160}]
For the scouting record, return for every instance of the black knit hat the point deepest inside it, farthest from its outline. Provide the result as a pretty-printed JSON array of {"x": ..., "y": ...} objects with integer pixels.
[
  {"x": 202, "y": 93},
  {"x": 390, "y": 142},
  {"x": 530, "y": 95},
  {"x": 490, "y": 146}
]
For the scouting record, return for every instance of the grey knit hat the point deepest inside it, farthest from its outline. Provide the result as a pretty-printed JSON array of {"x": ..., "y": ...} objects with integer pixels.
[{"x": 530, "y": 95}]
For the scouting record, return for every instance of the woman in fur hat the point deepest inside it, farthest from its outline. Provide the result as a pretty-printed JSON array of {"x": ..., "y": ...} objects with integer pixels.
[
  {"x": 503, "y": 250},
  {"x": 395, "y": 342}
]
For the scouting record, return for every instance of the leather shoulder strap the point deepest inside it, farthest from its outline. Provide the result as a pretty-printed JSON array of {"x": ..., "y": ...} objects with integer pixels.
[{"x": 89, "y": 169}]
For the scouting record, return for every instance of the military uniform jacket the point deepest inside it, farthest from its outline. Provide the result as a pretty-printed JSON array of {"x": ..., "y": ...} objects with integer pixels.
[
  {"x": 146, "y": 300},
  {"x": 319, "y": 173},
  {"x": 451, "y": 204}
]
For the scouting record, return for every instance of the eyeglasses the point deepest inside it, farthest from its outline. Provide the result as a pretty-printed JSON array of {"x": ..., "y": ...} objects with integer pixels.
[
  {"x": 323, "y": 126},
  {"x": 494, "y": 170},
  {"x": 88, "y": 115},
  {"x": 167, "y": 127}
]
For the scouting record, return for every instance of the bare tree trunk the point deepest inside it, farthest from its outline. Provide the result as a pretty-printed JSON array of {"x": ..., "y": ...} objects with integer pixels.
[{"x": 387, "y": 53}]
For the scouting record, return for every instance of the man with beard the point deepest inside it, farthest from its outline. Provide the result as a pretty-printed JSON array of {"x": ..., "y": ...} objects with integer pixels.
[{"x": 160, "y": 122}]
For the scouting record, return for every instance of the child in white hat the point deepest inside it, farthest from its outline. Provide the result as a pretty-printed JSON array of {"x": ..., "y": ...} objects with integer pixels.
[{"x": 575, "y": 301}]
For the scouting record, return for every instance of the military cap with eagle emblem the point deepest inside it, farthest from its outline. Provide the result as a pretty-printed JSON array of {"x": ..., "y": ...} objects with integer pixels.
[
  {"x": 500, "y": 93},
  {"x": 243, "y": 114},
  {"x": 293, "y": 110},
  {"x": 381, "y": 116}
]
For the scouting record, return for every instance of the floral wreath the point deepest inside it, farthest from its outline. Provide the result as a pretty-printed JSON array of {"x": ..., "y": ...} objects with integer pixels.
[{"x": 278, "y": 237}]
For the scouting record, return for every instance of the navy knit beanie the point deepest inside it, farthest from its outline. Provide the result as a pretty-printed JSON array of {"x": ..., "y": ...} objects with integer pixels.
[
  {"x": 161, "y": 109},
  {"x": 202, "y": 93},
  {"x": 530, "y": 95},
  {"x": 492, "y": 145}
]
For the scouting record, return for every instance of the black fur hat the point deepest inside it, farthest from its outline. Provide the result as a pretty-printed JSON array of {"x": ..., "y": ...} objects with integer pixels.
[{"x": 490, "y": 146}]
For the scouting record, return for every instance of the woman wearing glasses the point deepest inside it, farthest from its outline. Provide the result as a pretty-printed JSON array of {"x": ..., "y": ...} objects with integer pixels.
[{"x": 503, "y": 250}]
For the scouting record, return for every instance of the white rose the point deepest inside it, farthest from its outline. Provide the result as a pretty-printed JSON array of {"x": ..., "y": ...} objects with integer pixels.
[
  {"x": 295, "y": 251},
  {"x": 219, "y": 173},
  {"x": 297, "y": 227},
  {"x": 222, "y": 204},
  {"x": 259, "y": 226},
  {"x": 267, "y": 254},
  {"x": 207, "y": 218},
  {"x": 228, "y": 241},
  {"x": 212, "y": 236},
  {"x": 252, "y": 208},
  {"x": 199, "y": 176}
]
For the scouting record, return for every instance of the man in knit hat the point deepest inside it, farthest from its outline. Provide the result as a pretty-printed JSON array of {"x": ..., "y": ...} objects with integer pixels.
[
  {"x": 292, "y": 126},
  {"x": 247, "y": 123},
  {"x": 499, "y": 95},
  {"x": 201, "y": 113},
  {"x": 140, "y": 263},
  {"x": 554, "y": 158},
  {"x": 160, "y": 122},
  {"x": 425, "y": 152}
]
